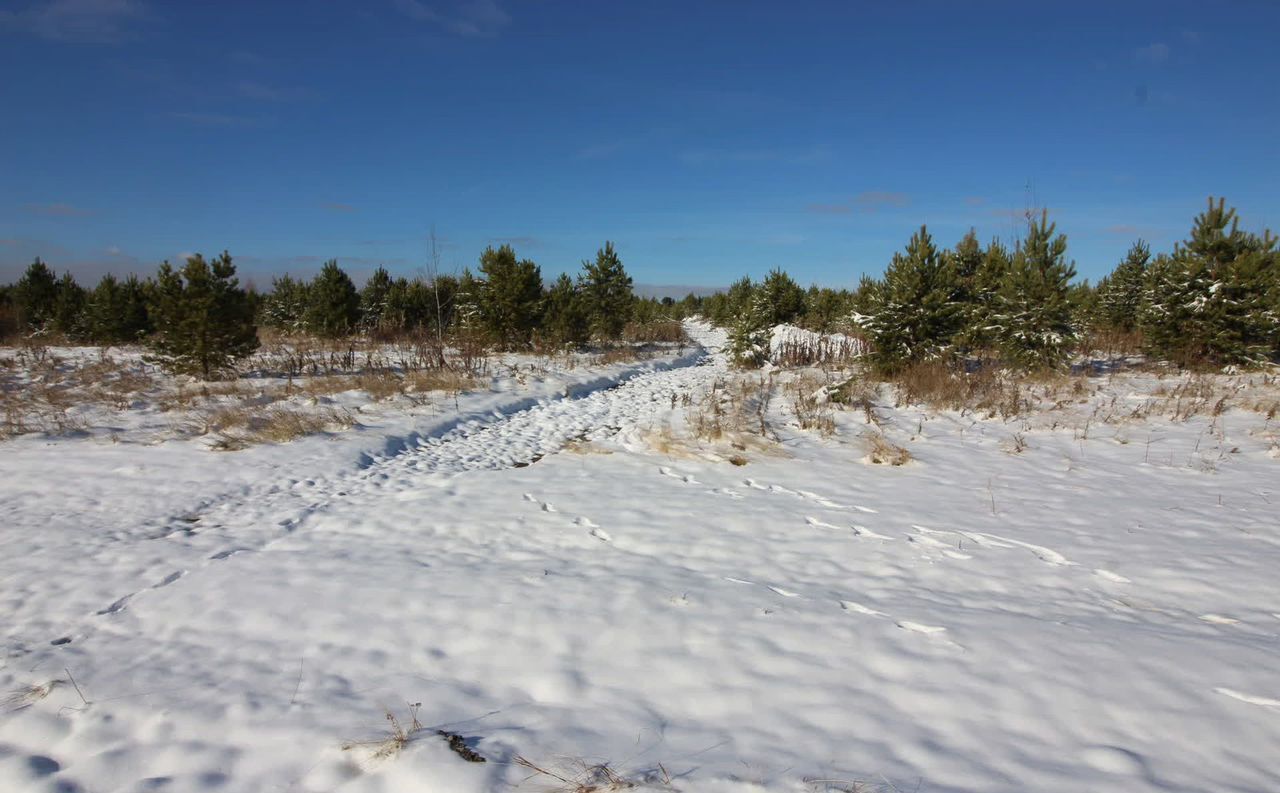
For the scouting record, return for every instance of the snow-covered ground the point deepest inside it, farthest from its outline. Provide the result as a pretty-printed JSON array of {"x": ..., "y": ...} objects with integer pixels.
[{"x": 559, "y": 572}]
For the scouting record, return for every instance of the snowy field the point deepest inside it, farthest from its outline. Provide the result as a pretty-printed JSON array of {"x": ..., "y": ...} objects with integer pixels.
[{"x": 567, "y": 574}]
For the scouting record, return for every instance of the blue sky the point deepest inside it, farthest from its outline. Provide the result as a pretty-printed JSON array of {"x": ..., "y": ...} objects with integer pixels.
[{"x": 707, "y": 139}]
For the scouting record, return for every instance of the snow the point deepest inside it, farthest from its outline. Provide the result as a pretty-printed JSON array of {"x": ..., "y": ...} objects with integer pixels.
[{"x": 1097, "y": 612}]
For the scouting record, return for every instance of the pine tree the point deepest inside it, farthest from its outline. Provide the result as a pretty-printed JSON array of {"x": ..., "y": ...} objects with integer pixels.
[
  {"x": 35, "y": 295},
  {"x": 1120, "y": 294},
  {"x": 68, "y": 308},
  {"x": 783, "y": 298},
  {"x": 285, "y": 307},
  {"x": 917, "y": 316},
  {"x": 966, "y": 264},
  {"x": 510, "y": 297},
  {"x": 203, "y": 319},
  {"x": 606, "y": 293},
  {"x": 748, "y": 345},
  {"x": 1033, "y": 309},
  {"x": 1214, "y": 300},
  {"x": 373, "y": 300},
  {"x": 105, "y": 313},
  {"x": 565, "y": 318},
  {"x": 333, "y": 307}
]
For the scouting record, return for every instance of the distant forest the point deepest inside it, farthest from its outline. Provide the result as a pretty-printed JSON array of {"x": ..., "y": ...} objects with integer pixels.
[{"x": 1212, "y": 301}]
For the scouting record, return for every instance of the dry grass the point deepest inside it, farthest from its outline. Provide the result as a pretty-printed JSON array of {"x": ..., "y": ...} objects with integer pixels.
[
  {"x": 811, "y": 404},
  {"x": 396, "y": 738},
  {"x": 882, "y": 451},
  {"x": 577, "y": 775},
  {"x": 662, "y": 331},
  {"x": 242, "y": 426},
  {"x": 941, "y": 386}
]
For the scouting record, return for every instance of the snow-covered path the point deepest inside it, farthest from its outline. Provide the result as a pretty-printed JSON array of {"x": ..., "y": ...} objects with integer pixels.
[{"x": 1079, "y": 616}]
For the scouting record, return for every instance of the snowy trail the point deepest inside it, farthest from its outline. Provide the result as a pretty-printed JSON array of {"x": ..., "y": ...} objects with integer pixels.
[{"x": 524, "y": 438}]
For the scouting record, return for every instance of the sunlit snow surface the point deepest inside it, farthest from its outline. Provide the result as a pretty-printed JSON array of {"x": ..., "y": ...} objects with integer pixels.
[{"x": 1092, "y": 614}]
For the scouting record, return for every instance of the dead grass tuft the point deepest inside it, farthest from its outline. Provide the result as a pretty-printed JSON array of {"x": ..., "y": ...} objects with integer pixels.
[
  {"x": 577, "y": 775},
  {"x": 882, "y": 451},
  {"x": 396, "y": 738}
]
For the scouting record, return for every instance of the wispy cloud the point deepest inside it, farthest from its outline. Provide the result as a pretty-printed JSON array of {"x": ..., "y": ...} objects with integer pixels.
[
  {"x": 521, "y": 242},
  {"x": 215, "y": 119},
  {"x": 334, "y": 206},
  {"x": 974, "y": 200},
  {"x": 873, "y": 200},
  {"x": 460, "y": 17},
  {"x": 1152, "y": 53},
  {"x": 58, "y": 210},
  {"x": 84, "y": 21},
  {"x": 806, "y": 155}
]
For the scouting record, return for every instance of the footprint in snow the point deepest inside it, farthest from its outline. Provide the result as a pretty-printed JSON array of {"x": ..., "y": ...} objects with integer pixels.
[
  {"x": 725, "y": 491},
  {"x": 1219, "y": 619},
  {"x": 543, "y": 505},
  {"x": 917, "y": 627},
  {"x": 169, "y": 579},
  {"x": 858, "y": 608},
  {"x": 1115, "y": 578},
  {"x": 785, "y": 593},
  {"x": 1265, "y": 702},
  {"x": 686, "y": 478}
]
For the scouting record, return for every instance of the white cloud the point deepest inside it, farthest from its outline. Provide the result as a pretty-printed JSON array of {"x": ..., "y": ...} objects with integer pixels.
[{"x": 87, "y": 21}]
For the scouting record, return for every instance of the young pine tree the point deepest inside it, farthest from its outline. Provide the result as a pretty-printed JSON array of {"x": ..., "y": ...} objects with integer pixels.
[
  {"x": 917, "y": 316},
  {"x": 35, "y": 296},
  {"x": 285, "y": 307},
  {"x": 1120, "y": 294},
  {"x": 373, "y": 299},
  {"x": 333, "y": 307},
  {"x": 565, "y": 321},
  {"x": 510, "y": 297},
  {"x": 749, "y": 335},
  {"x": 606, "y": 293},
  {"x": 105, "y": 312},
  {"x": 783, "y": 298},
  {"x": 1033, "y": 309},
  {"x": 203, "y": 319},
  {"x": 68, "y": 308}
]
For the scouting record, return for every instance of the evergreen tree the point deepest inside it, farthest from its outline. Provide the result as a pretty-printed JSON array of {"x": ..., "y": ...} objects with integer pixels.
[
  {"x": 966, "y": 263},
  {"x": 749, "y": 336},
  {"x": 825, "y": 309},
  {"x": 566, "y": 321},
  {"x": 285, "y": 307},
  {"x": 866, "y": 299},
  {"x": 1215, "y": 300},
  {"x": 373, "y": 300},
  {"x": 1120, "y": 294},
  {"x": 783, "y": 299},
  {"x": 606, "y": 293},
  {"x": 203, "y": 319},
  {"x": 333, "y": 306},
  {"x": 467, "y": 313},
  {"x": 106, "y": 314},
  {"x": 35, "y": 296},
  {"x": 68, "y": 308},
  {"x": 510, "y": 297},
  {"x": 982, "y": 325},
  {"x": 917, "y": 316},
  {"x": 1033, "y": 308}
]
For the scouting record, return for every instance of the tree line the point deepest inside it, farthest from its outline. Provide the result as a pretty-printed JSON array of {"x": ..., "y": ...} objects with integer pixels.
[
  {"x": 1213, "y": 301},
  {"x": 199, "y": 319}
]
